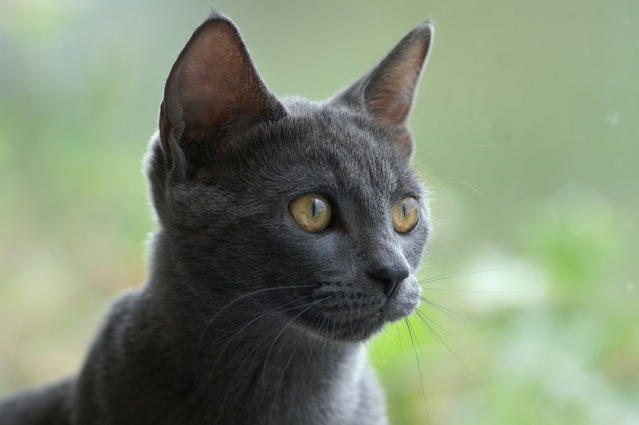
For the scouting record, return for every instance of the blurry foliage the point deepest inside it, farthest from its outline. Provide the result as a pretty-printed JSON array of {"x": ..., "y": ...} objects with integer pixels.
[{"x": 527, "y": 132}]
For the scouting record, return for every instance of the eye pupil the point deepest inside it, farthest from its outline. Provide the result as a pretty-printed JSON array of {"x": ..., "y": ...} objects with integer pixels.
[{"x": 318, "y": 207}]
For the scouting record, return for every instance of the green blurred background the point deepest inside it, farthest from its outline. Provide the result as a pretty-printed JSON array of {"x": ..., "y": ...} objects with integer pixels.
[{"x": 527, "y": 122}]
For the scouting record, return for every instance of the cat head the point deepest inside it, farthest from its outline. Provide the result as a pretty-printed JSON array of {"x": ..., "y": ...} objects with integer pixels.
[{"x": 307, "y": 212}]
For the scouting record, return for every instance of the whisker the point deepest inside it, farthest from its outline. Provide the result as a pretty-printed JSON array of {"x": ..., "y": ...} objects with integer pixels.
[
  {"x": 290, "y": 322},
  {"x": 401, "y": 346},
  {"x": 423, "y": 317},
  {"x": 419, "y": 365},
  {"x": 412, "y": 333},
  {"x": 244, "y": 296},
  {"x": 463, "y": 182},
  {"x": 250, "y": 354},
  {"x": 464, "y": 122},
  {"x": 446, "y": 150},
  {"x": 444, "y": 276},
  {"x": 460, "y": 323},
  {"x": 450, "y": 312},
  {"x": 445, "y": 190},
  {"x": 473, "y": 146},
  {"x": 462, "y": 345},
  {"x": 246, "y": 326},
  {"x": 422, "y": 152},
  {"x": 316, "y": 341},
  {"x": 277, "y": 389},
  {"x": 478, "y": 291}
]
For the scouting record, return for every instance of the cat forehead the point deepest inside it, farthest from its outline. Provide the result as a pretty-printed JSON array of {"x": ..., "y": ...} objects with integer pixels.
[
  {"x": 318, "y": 145},
  {"x": 340, "y": 136}
]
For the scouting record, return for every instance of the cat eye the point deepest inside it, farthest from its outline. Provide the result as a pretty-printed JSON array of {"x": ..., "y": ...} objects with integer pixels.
[
  {"x": 311, "y": 211},
  {"x": 406, "y": 214}
]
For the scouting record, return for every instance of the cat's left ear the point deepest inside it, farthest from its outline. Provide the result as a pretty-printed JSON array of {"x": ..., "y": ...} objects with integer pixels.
[{"x": 386, "y": 92}]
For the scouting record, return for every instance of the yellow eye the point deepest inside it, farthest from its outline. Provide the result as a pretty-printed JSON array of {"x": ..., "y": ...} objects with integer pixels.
[
  {"x": 406, "y": 215},
  {"x": 311, "y": 211}
]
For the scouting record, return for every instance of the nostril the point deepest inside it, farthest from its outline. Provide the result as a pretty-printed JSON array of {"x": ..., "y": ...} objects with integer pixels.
[{"x": 390, "y": 278}]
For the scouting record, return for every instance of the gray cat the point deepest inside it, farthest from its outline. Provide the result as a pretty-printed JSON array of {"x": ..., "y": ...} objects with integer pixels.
[{"x": 289, "y": 233}]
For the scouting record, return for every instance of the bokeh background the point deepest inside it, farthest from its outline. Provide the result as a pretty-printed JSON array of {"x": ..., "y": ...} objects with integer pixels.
[{"x": 527, "y": 122}]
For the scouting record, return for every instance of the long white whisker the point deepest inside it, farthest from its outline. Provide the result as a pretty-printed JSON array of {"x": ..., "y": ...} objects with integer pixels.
[
  {"x": 277, "y": 389},
  {"x": 244, "y": 296},
  {"x": 423, "y": 318},
  {"x": 470, "y": 319},
  {"x": 419, "y": 365},
  {"x": 466, "y": 273},
  {"x": 250, "y": 354},
  {"x": 463, "y": 182},
  {"x": 246, "y": 326},
  {"x": 290, "y": 322}
]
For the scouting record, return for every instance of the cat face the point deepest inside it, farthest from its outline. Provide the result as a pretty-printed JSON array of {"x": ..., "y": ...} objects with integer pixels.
[{"x": 307, "y": 212}]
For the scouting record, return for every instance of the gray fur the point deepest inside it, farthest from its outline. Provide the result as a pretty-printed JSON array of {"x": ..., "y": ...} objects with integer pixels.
[{"x": 246, "y": 318}]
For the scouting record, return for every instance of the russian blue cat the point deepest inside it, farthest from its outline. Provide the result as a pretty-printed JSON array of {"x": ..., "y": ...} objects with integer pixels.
[{"x": 289, "y": 232}]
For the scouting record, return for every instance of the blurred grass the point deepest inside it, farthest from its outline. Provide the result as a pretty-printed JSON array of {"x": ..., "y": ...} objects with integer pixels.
[{"x": 527, "y": 128}]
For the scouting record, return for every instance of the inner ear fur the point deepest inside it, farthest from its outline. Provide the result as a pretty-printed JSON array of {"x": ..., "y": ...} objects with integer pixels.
[
  {"x": 387, "y": 91},
  {"x": 213, "y": 91}
]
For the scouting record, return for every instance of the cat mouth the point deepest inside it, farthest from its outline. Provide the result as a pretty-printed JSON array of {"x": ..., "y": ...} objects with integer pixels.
[
  {"x": 356, "y": 329},
  {"x": 353, "y": 312},
  {"x": 395, "y": 310},
  {"x": 354, "y": 325}
]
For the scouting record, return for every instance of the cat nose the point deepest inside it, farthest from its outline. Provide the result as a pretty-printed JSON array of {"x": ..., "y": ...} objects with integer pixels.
[{"x": 390, "y": 278}]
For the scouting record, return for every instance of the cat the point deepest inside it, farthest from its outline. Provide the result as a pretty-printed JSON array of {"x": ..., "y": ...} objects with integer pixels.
[{"x": 289, "y": 233}]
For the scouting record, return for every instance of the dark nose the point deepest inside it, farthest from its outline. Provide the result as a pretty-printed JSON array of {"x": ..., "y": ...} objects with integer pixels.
[{"x": 391, "y": 279}]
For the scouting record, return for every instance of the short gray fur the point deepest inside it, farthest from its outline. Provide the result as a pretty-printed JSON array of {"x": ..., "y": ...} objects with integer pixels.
[{"x": 246, "y": 318}]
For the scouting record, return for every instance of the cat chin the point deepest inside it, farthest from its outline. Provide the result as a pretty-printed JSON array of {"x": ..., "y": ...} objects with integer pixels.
[
  {"x": 403, "y": 304},
  {"x": 345, "y": 322},
  {"x": 395, "y": 311},
  {"x": 359, "y": 329},
  {"x": 333, "y": 331}
]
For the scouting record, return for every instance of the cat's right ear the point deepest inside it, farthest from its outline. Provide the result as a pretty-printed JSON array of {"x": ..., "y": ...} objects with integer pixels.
[
  {"x": 387, "y": 91},
  {"x": 213, "y": 92}
]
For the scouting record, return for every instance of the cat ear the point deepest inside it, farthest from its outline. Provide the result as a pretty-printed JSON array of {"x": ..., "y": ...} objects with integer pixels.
[
  {"x": 213, "y": 92},
  {"x": 386, "y": 92}
]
